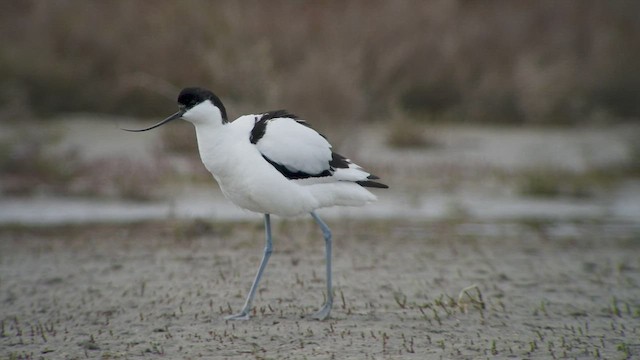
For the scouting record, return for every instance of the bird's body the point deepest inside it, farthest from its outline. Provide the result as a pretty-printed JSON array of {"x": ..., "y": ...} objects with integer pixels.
[
  {"x": 250, "y": 181},
  {"x": 273, "y": 163}
]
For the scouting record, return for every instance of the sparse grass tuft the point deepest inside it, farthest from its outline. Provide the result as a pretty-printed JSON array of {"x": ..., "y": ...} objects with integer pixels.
[
  {"x": 624, "y": 349},
  {"x": 401, "y": 299},
  {"x": 466, "y": 297},
  {"x": 615, "y": 310}
]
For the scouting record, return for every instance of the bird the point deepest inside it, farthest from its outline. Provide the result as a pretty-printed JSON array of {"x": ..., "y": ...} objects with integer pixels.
[{"x": 273, "y": 163}]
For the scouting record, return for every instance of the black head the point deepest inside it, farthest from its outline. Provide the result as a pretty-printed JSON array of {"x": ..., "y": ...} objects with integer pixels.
[
  {"x": 188, "y": 98},
  {"x": 192, "y": 96}
]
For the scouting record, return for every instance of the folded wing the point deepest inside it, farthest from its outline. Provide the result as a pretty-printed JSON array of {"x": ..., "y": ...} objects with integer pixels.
[{"x": 299, "y": 152}]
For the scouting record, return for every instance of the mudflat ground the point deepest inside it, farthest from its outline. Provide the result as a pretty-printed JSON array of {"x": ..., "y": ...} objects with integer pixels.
[{"x": 535, "y": 290}]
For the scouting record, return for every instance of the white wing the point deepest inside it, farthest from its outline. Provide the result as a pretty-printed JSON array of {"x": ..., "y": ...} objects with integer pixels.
[
  {"x": 300, "y": 153},
  {"x": 286, "y": 142}
]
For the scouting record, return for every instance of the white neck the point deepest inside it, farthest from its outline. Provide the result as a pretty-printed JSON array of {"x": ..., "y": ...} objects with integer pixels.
[{"x": 204, "y": 113}]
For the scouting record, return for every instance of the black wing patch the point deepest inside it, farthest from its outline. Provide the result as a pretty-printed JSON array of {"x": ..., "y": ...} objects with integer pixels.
[
  {"x": 260, "y": 126},
  {"x": 258, "y": 130},
  {"x": 295, "y": 175},
  {"x": 338, "y": 161}
]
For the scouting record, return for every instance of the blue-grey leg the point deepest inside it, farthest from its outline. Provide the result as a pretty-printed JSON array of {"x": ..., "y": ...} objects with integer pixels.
[
  {"x": 324, "y": 312},
  {"x": 244, "y": 314}
]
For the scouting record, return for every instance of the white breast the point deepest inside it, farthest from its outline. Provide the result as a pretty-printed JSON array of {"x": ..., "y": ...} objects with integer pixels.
[{"x": 243, "y": 175}]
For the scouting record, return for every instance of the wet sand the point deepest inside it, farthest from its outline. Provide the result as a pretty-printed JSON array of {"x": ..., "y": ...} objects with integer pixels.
[{"x": 543, "y": 290}]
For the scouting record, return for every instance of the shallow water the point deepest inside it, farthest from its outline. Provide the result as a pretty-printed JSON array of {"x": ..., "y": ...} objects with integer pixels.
[{"x": 623, "y": 205}]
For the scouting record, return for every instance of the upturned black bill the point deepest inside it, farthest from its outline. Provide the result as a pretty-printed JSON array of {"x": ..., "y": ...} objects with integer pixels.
[{"x": 177, "y": 115}]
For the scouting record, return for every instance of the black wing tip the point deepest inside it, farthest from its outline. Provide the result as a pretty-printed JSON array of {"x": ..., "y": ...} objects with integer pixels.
[
  {"x": 372, "y": 184},
  {"x": 338, "y": 161}
]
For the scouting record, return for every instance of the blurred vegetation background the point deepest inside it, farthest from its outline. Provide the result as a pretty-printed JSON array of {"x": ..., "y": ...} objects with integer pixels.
[{"x": 335, "y": 62}]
